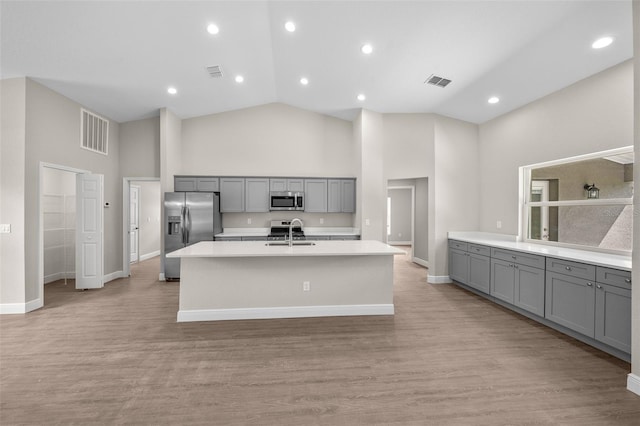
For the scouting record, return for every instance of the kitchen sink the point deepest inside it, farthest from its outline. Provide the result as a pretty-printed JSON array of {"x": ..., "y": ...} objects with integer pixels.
[{"x": 286, "y": 243}]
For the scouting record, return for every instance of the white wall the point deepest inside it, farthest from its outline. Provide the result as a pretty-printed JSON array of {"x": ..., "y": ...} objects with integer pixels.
[
  {"x": 12, "y": 195},
  {"x": 592, "y": 115},
  {"x": 373, "y": 186},
  {"x": 268, "y": 140}
]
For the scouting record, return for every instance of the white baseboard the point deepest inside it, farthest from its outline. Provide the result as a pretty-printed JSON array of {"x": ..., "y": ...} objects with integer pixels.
[
  {"x": 420, "y": 262},
  {"x": 284, "y": 312},
  {"x": 633, "y": 383},
  {"x": 161, "y": 277},
  {"x": 149, "y": 255},
  {"x": 438, "y": 279},
  {"x": 20, "y": 308},
  {"x": 112, "y": 276},
  {"x": 59, "y": 276}
]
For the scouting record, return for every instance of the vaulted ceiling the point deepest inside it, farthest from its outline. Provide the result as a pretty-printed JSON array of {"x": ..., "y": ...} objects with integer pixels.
[{"x": 119, "y": 58}]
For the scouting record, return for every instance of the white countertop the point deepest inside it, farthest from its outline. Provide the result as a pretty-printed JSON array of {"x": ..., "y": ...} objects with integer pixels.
[
  {"x": 616, "y": 261},
  {"x": 260, "y": 249}
]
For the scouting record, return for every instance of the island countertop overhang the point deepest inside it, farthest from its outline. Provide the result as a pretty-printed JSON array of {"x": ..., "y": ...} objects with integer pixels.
[{"x": 262, "y": 249}]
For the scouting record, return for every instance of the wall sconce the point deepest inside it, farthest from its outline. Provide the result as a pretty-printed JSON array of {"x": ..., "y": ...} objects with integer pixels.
[{"x": 592, "y": 191}]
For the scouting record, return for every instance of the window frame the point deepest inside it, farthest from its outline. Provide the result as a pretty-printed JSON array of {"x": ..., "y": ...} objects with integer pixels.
[{"x": 525, "y": 203}]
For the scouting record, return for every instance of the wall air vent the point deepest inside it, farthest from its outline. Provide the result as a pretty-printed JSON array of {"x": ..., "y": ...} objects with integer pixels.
[
  {"x": 215, "y": 71},
  {"x": 94, "y": 132},
  {"x": 437, "y": 81}
]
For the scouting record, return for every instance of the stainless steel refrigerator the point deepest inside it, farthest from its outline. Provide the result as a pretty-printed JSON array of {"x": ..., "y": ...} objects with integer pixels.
[{"x": 189, "y": 217}]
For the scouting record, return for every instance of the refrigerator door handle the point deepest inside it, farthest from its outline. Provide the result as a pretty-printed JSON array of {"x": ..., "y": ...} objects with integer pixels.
[
  {"x": 183, "y": 225},
  {"x": 188, "y": 223}
]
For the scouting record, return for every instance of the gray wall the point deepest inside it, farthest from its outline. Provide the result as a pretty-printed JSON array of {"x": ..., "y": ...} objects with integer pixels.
[
  {"x": 150, "y": 217},
  {"x": 140, "y": 148}
]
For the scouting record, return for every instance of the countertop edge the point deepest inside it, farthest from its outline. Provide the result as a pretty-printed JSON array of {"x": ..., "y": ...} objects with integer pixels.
[{"x": 606, "y": 260}]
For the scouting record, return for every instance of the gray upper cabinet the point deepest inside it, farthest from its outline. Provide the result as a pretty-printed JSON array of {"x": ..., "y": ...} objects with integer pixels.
[
  {"x": 341, "y": 195},
  {"x": 184, "y": 184},
  {"x": 348, "y": 195},
  {"x": 285, "y": 184},
  {"x": 334, "y": 200},
  {"x": 315, "y": 194},
  {"x": 195, "y": 184},
  {"x": 231, "y": 195},
  {"x": 256, "y": 195},
  {"x": 208, "y": 184}
]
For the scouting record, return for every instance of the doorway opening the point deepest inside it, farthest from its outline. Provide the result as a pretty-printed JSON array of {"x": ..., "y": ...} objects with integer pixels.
[{"x": 141, "y": 220}]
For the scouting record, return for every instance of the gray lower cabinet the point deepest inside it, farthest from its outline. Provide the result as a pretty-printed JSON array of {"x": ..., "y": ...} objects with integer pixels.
[
  {"x": 345, "y": 237},
  {"x": 315, "y": 195},
  {"x": 255, "y": 238},
  {"x": 459, "y": 266},
  {"x": 256, "y": 195},
  {"x": 570, "y": 301},
  {"x": 216, "y": 238},
  {"x": 520, "y": 285},
  {"x": 479, "y": 272},
  {"x": 231, "y": 195},
  {"x": 613, "y": 316}
]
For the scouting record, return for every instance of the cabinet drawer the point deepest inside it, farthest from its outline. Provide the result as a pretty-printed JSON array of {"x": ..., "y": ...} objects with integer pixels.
[
  {"x": 532, "y": 260},
  {"x": 615, "y": 277},
  {"x": 459, "y": 245},
  {"x": 574, "y": 269},
  {"x": 478, "y": 249}
]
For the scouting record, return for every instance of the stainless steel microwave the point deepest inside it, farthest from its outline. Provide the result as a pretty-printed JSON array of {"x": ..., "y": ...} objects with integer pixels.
[{"x": 286, "y": 201}]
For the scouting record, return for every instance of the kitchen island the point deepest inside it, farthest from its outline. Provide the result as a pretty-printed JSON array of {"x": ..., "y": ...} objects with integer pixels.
[{"x": 255, "y": 280}]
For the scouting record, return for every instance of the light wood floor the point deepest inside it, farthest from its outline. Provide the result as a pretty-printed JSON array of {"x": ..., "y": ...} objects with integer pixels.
[{"x": 448, "y": 357}]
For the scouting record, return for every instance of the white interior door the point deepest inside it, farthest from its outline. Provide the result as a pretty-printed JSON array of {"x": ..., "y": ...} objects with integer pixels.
[
  {"x": 89, "y": 231},
  {"x": 134, "y": 220}
]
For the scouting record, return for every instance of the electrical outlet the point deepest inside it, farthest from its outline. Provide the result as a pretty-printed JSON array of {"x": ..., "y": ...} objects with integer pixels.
[
  {"x": 499, "y": 224},
  {"x": 5, "y": 228},
  {"x": 321, "y": 221},
  {"x": 367, "y": 222},
  {"x": 306, "y": 286},
  {"x": 248, "y": 221}
]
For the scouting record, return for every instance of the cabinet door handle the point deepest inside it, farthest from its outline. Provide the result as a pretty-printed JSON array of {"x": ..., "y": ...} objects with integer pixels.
[
  {"x": 568, "y": 268},
  {"x": 589, "y": 284},
  {"x": 598, "y": 286},
  {"x": 627, "y": 280},
  {"x": 513, "y": 257}
]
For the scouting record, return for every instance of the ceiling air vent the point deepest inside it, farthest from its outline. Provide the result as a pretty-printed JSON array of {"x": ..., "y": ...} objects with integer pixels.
[
  {"x": 215, "y": 71},
  {"x": 437, "y": 81}
]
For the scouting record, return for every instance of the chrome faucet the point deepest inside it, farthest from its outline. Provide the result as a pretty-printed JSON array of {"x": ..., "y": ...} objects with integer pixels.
[{"x": 291, "y": 230}]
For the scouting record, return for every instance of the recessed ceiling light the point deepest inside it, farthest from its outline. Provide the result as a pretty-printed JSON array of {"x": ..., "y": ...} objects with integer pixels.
[
  {"x": 290, "y": 26},
  {"x": 304, "y": 81},
  {"x": 239, "y": 79},
  {"x": 602, "y": 42},
  {"x": 172, "y": 90},
  {"x": 366, "y": 49},
  {"x": 213, "y": 29},
  {"x": 361, "y": 97},
  {"x": 493, "y": 100}
]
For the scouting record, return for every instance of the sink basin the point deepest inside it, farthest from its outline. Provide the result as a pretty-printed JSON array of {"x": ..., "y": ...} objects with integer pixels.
[{"x": 286, "y": 243}]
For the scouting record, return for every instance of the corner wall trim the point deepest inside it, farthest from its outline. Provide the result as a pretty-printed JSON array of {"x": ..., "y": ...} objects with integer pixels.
[
  {"x": 420, "y": 262},
  {"x": 149, "y": 255},
  {"x": 20, "y": 308},
  {"x": 283, "y": 312},
  {"x": 161, "y": 277},
  {"x": 633, "y": 383},
  {"x": 112, "y": 276},
  {"x": 438, "y": 279}
]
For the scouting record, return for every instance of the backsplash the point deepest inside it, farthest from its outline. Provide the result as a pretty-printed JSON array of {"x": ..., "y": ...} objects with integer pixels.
[{"x": 263, "y": 220}]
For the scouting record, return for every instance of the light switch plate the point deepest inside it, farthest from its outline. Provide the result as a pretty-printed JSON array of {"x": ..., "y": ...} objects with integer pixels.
[{"x": 5, "y": 228}]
